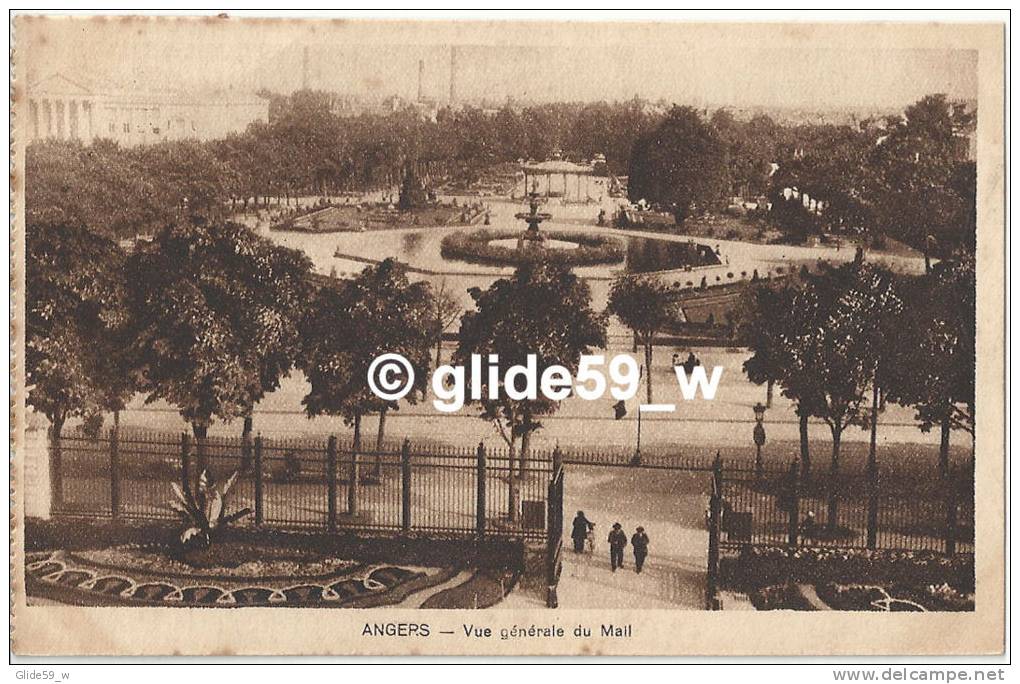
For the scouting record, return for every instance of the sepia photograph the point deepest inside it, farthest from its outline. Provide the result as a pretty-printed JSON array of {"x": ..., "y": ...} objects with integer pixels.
[{"x": 590, "y": 328}]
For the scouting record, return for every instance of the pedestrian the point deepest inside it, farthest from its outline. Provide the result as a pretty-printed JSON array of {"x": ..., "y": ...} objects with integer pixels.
[
  {"x": 639, "y": 542},
  {"x": 617, "y": 541},
  {"x": 676, "y": 359},
  {"x": 580, "y": 531}
]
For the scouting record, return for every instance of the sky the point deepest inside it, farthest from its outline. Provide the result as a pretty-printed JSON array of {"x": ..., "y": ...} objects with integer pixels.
[{"x": 696, "y": 64}]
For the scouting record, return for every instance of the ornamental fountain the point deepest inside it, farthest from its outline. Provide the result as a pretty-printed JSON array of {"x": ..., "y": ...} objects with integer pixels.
[{"x": 532, "y": 238}]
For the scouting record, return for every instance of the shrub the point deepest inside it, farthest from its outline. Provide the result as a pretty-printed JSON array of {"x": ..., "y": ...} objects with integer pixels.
[{"x": 204, "y": 510}]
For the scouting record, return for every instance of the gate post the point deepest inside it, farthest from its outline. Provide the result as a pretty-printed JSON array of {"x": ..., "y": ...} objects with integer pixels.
[
  {"x": 480, "y": 492},
  {"x": 331, "y": 482},
  {"x": 714, "y": 531},
  {"x": 554, "y": 538},
  {"x": 405, "y": 486},
  {"x": 114, "y": 474},
  {"x": 794, "y": 510},
  {"x": 259, "y": 513}
]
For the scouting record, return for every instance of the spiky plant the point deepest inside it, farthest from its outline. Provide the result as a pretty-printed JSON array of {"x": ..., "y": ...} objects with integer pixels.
[{"x": 204, "y": 511}]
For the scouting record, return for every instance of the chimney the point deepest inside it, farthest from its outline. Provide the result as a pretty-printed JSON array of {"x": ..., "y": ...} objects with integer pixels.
[{"x": 421, "y": 76}]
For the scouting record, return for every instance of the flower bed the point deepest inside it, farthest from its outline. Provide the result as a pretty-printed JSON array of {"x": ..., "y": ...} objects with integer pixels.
[
  {"x": 476, "y": 248},
  {"x": 760, "y": 566},
  {"x": 896, "y": 597},
  {"x": 851, "y": 579},
  {"x": 147, "y": 575}
]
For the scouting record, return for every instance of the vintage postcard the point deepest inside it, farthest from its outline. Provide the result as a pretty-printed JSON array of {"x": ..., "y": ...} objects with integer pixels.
[{"x": 553, "y": 338}]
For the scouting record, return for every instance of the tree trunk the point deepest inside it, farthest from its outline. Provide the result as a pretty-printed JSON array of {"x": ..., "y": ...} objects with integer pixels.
[
  {"x": 944, "y": 430},
  {"x": 837, "y": 433},
  {"x": 513, "y": 488},
  {"x": 769, "y": 387},
  {"x": 805, "y": 448},
  {"x": 246, "y": 445},
  {"x": 522, "y": 462},
  {"x": 379, "y": 437},
  {"x": 200, "y": 431},
  {"x": 648, "y": 369},
  {"x": 439, "y": 350}
]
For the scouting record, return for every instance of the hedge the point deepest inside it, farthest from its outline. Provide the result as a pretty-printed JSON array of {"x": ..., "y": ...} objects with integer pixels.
[{"x": 476, "y": 247}]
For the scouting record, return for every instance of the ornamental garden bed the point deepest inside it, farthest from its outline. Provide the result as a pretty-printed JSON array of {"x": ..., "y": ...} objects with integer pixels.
[
  {"x": 350, "y": 218},
  {"x": 119, "y": 565},
  {"x": 477, "y": 248},
  {"x": 818, "y": 578}
]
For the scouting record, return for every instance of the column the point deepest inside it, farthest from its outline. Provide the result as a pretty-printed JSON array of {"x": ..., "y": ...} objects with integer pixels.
[
  {"x": 61, "y": 118},
  {"x": 73, "y": 130},
  {"x": 91, "y": 130}
]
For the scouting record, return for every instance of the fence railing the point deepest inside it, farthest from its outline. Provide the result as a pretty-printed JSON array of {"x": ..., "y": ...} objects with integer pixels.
[
  {"x": 870, "y": 510},
  {"x": 322, "y": 484}
]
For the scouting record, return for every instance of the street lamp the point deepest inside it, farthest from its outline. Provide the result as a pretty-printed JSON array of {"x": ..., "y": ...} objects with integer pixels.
[{"x": 759, "y": 437}]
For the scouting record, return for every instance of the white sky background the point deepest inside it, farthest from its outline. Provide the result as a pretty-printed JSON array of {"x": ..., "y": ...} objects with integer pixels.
[{"x": 590, "y": 63}]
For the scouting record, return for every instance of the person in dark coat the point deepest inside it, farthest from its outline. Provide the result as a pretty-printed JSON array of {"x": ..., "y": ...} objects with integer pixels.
[
  {"x": 617, "y": 541},
  {"x": 639, "y": 542},
  {"x": 580, "y": 532}
]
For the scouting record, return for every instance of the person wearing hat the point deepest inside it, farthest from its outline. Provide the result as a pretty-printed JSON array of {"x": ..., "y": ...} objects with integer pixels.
[
  {"x": 639, "y": 542},
  {"x": 581, "y": 527},
  {"x": 617, "y": 541}
]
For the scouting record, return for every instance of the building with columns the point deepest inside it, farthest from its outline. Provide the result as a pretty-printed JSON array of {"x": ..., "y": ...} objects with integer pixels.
[{"x": 63, "y": 108}]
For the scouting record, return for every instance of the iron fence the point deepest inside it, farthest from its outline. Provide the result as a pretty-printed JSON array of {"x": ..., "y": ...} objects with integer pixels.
[
  {"x": 306, "y": 483},
  {"x": 876, "y": 510}
]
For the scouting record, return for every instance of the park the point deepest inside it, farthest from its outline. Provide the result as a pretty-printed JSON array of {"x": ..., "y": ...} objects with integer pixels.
[{"x": 201, "y": 430}]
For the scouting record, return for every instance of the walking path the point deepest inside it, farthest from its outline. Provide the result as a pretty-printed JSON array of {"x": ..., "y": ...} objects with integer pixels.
[{"x": 669, "y": 505}]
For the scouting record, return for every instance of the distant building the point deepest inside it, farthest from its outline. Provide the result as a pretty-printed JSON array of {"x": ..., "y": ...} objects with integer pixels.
[{"x": 66, "y": 109}]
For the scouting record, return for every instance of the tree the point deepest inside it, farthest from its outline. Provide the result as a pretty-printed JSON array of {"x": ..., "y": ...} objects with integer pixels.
[
  {"x": 680, "y": 163},
  {"x": 75, "y": 311},
  {"x": 215, "y": 305},
  {"x": 544, "y": 310},
  {"x": 768, "y": 321},
  {"x": 644, "y": 305},
  {"x": 445, "y": 311},
  {"x": 349, "y": 325},
  {"x": 837, "y": 355},
  {"x": 935, "y": 365},
  {"x": 920, "y": 185}
]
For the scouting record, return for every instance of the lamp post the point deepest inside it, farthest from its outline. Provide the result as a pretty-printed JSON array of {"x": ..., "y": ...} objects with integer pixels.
[{"x": 759, "y": 437}]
